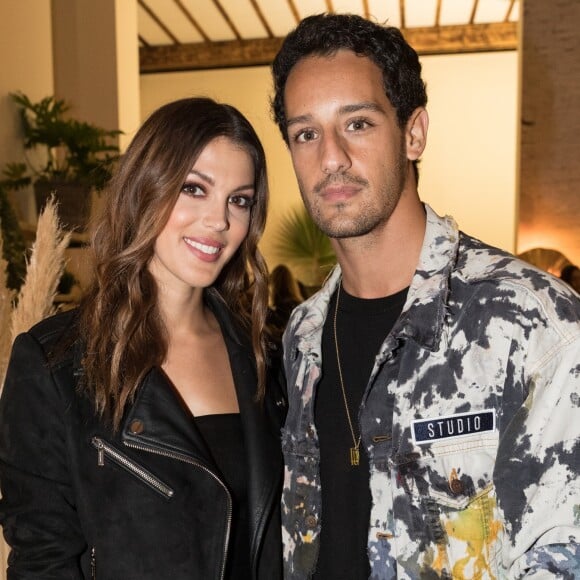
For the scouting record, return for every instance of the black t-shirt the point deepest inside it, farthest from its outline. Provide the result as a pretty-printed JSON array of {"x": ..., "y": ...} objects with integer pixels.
[{"x": 362, "y": 325}]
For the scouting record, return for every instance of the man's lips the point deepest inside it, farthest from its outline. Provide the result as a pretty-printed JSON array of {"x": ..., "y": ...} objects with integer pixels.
[
  {"x": 339, "y": 192},
  {"x": 340, "y": 187}
]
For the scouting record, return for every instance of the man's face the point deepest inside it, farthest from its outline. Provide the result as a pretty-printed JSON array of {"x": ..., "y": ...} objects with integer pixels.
[{"x": 347, "y": 148}]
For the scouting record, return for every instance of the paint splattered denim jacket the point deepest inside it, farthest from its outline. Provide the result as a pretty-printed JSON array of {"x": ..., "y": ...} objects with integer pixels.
[{"x": 475, "y": 473}]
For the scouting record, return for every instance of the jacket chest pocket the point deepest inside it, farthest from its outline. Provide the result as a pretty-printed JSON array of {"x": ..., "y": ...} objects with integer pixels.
[
  {"x": 451, "y": 487},
  {"x": 107, "y": 452}
]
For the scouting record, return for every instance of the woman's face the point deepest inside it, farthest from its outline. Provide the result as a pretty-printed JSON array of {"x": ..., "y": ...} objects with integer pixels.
[{"x": 209, "y": 221}]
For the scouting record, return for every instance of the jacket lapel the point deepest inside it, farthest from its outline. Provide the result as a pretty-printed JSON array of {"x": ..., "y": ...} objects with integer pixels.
[
  {"x": 159, "y": 419},
  {"x": 260, "y": 427}
]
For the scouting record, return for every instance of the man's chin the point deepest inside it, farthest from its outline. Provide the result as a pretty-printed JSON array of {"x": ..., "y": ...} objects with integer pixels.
[{"x": 341, "y": 229}]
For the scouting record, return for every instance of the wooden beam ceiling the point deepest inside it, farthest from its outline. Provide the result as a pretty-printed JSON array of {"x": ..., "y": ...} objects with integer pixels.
[
  {"x": 261, "y": 51},
  {"x": 489, "y": 37}
]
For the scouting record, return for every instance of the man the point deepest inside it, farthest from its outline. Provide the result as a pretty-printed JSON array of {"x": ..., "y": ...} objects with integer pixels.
[{"x": 434, "y": 381}]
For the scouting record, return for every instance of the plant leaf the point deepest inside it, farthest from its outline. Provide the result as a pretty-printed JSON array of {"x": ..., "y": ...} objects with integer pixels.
[{"x": 300, "y": 242}]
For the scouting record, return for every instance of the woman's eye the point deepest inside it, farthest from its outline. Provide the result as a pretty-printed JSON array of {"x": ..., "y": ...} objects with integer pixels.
[
  {"x": 242, "y": 201},
  {"x": 192, "y": 189},
  {"x": 304, "y": 136}
]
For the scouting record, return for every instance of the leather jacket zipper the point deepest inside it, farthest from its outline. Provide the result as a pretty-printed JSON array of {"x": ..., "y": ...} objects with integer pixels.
[
  {"x": 186, "y": 459},
  {"x": 106, "y": 450},
  {"x": 93, "y": 564}
]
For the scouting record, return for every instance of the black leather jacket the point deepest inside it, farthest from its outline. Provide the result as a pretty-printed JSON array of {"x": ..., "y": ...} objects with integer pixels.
[{"x": 144, "y": 503}]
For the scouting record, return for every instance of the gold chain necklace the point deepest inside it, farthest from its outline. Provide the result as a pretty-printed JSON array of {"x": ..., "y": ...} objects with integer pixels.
[{"x": 354, "y": 450}]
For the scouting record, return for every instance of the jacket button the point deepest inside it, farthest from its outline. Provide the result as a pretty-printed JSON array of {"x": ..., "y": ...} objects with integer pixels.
[
  {"x": 456, "y": 486},
  {"x": 136, "y": 427},
  {"x": 311, "y": 521}
]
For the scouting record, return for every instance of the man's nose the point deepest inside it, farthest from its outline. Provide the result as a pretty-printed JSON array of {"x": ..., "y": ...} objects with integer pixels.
[{"x": 335, "y": 156}]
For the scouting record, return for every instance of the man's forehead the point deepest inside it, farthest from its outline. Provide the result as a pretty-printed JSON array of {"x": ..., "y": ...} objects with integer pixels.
[{"x": 343, "y": 83}]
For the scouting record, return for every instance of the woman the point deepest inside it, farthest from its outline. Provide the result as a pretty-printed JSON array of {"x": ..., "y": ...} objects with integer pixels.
[{"x": 139, "y": 434}]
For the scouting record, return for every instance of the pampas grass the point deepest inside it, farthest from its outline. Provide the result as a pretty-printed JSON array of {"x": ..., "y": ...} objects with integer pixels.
[
  {"x": 43, "y": 272},
  {"x": 35, "y": 299},
  {"x": 6, "y": 301}
]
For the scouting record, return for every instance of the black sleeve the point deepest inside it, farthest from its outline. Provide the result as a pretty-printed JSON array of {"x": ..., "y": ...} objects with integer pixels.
[{"x": 37, "y": 510}]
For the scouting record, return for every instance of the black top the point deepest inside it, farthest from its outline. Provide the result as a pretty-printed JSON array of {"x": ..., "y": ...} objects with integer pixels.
[
  {"x": 362, "y": 326},
  {"x": 224, "y": 438}
]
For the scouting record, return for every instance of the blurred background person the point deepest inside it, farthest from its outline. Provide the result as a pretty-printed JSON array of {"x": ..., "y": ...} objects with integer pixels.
[
  {"x": 285, "y": 295},
  {"x": 571, "y": 275}
]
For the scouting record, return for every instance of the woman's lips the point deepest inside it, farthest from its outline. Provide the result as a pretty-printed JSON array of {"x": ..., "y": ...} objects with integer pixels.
[{"x": 206, "y": 250}]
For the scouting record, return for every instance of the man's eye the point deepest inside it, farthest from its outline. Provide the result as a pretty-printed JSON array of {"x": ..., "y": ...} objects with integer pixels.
[
  {"x": 242, "y": 201},
  {"x": 358, "y": 125},
  {"x": 305, "y": 136},
  {"x": 192, "y": 189}
]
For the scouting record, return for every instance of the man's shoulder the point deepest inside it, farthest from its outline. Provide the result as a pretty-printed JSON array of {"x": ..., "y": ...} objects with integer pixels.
[
  {"x": 493, "y": 271},
  {"x": 477, "y": 260}
]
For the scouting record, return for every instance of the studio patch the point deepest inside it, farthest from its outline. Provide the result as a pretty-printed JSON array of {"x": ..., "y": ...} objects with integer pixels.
[{"x": 453, "y": 426}]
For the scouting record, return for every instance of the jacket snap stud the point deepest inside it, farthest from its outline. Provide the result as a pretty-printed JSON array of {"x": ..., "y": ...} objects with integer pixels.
[
  {"x": 136, "y": 427},
  {"x": 456, "y": 486},
  {"x": 311, "y": 521}
]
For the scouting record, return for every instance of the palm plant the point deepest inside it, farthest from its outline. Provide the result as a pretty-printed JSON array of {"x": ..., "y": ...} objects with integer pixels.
[{"x": 301, "y": 243}]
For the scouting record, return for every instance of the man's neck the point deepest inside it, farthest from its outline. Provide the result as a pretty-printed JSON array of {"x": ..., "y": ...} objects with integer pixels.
[{"x": 384, "y": 261}]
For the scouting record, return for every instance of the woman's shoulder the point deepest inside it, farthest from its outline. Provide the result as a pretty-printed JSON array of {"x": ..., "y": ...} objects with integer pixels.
[
  {"x": 55, "y": 337},
  {"x": 55, "y": 327},
  {"x": 41, "y": 366}
]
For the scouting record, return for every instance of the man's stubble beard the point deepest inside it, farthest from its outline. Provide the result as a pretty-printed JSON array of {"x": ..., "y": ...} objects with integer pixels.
[{"x": 371, "y": 214}]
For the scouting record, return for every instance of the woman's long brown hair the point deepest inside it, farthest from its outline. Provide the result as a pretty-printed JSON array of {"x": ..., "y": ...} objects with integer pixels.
[{"x": 120, "y": 323}]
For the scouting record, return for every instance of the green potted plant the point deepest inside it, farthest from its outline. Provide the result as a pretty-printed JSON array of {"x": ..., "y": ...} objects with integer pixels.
[
  {"x": 13, "y": 243},
  {"x": 71, "y": 158}
]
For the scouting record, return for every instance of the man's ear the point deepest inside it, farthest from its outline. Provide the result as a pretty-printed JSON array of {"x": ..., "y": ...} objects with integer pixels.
[{"x": 416, "y": 133}]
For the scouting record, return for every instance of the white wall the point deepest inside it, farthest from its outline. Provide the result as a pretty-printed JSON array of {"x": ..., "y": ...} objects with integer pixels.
[
  {"x": 469, "y": 166},
  {"x": 468, "y": 169},
  {"x": 27, "y": 65}
]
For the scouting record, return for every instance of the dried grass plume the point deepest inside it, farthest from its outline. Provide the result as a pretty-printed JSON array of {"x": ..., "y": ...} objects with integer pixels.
[
  {"x": 6, "y": 302},
  {"x": 44, "y": 270}
]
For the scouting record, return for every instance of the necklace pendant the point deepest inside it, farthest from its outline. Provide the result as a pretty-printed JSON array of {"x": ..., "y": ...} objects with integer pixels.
[{"x": 354, "y": 456}]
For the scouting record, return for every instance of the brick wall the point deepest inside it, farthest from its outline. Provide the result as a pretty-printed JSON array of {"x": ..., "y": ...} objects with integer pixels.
[{"x": 549, "y": 176}]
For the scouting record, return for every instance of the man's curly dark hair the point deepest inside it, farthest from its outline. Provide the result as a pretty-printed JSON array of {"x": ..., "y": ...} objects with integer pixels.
[{"x": 325, "y": 34}]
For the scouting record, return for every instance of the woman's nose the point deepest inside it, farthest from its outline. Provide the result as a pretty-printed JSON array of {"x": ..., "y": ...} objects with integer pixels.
[{"x": 216, "y": 216}]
